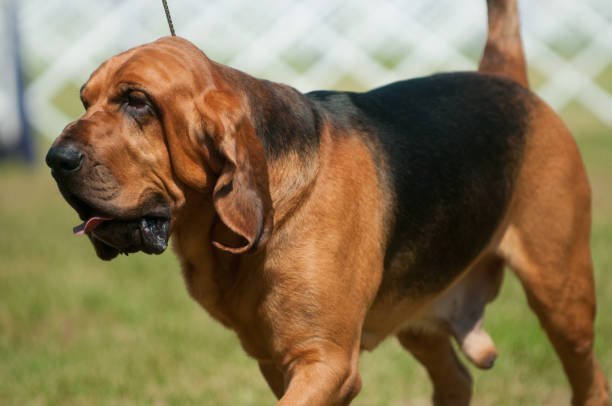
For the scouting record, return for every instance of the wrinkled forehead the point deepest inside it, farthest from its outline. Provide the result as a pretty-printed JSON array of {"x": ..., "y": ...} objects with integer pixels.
[{"x": 158, "y": 65}]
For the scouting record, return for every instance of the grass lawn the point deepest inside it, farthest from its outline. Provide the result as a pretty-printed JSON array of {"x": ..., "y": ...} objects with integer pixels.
[{"x": 76, "y": 330}]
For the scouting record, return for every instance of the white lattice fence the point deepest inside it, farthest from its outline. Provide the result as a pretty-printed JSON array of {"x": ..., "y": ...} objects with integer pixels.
[{"x": 313, "y": 44}]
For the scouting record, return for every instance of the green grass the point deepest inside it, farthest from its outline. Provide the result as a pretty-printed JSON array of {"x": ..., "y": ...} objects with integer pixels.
[{"x": 76, "y": 330}]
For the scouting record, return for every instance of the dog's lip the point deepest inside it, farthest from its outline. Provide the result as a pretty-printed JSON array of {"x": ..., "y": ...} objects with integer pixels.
[
  {"x": 148, "y": 234},
  {"x": 128, "y": 231},
  {"x": 92, "y": 217},
  {"x": 91, "y": 224}
]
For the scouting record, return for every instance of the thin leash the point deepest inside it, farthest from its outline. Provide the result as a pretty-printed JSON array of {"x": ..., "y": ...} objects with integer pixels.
[{"x": 167, "y": 10}]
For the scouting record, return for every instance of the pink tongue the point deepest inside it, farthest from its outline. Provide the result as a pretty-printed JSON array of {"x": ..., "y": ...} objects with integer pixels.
[{"x": 89, "y": 225}]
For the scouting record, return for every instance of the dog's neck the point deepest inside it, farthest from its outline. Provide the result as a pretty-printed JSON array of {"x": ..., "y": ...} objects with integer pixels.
[{"x": 211, "y": 274}]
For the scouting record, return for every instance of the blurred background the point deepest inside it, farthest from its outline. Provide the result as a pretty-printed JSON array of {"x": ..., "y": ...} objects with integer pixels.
[{"x": 75, "y": 330}]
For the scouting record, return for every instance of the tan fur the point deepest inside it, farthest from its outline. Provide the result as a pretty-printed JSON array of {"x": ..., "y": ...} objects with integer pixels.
[
  {"x": 551, "y": 255},
  {"x": 289, "y": 252}
]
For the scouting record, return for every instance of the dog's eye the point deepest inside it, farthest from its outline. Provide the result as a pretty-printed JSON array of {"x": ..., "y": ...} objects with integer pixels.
[{"x": 137, "y": 101}]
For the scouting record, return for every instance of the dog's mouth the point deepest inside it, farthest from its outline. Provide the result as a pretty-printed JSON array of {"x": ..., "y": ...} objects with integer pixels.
[
  {"x": 113, "y": 232},
  {"x": 147, "y": 234}
]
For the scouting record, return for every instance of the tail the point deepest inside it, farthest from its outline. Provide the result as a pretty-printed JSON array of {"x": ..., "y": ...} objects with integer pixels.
[{"x": 503, "y": 55}]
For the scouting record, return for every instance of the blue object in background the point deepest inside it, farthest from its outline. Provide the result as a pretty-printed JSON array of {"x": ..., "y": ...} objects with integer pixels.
[{"x": 15, "y": 133}]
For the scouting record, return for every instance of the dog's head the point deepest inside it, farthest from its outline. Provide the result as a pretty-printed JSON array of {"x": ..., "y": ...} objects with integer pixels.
[{"x": 162, "y": 122}]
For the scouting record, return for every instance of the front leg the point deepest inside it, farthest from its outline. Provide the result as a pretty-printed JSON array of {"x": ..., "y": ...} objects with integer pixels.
[
  {"x": 315, "y": 334},
  {"x": 314, "y": 317},
  {"x": 322, "y": 373},
  {"x": 324, "y": 269}
]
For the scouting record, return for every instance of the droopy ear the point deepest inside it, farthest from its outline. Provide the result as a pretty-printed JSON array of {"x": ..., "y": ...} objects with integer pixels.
[{"x": 241, "y": 195}]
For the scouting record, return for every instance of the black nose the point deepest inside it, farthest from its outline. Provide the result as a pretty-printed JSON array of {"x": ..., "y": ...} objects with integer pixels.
[{"x": 64, "y": 158}]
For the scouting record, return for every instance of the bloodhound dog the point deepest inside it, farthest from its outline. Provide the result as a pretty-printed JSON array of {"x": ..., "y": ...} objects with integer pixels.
[{"x": 316, "y": 225}]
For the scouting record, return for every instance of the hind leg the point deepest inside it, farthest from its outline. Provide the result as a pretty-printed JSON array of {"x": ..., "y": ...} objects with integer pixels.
[
  {"x": 451, "y": 381},
  {"x": 547, "y": 245},
  {"x": 561, "y": 293}
]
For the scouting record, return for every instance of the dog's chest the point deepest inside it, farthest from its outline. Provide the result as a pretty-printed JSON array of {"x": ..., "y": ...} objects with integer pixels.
[
  {"x": 223, "y": 284},
  {"x": 199, "y": 267}
]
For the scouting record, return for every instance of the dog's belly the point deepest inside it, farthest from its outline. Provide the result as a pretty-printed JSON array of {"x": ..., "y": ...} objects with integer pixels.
[
  {"x": 456, "y": 308},
  {"x": 395, "y": 309}
]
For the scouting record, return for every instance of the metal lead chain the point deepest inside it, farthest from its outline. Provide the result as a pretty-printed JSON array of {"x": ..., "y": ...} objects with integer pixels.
[{"x": 169, "y": 18}]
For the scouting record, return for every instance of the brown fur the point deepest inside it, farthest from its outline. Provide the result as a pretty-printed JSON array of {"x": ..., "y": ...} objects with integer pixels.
[{"x": 288, "y": 249}]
